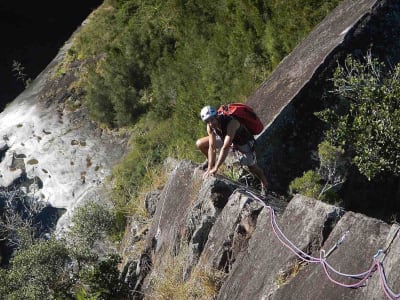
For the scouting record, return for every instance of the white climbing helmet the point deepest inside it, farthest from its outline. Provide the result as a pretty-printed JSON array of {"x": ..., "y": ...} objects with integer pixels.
[{"x": 208, "y": 112}]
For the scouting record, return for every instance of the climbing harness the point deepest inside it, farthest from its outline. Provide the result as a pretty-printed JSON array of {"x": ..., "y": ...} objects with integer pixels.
[{"x": 377, "y": 262}]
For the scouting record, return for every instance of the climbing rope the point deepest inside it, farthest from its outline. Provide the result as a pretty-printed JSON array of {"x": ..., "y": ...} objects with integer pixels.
[{"x": 328, "y": 269}]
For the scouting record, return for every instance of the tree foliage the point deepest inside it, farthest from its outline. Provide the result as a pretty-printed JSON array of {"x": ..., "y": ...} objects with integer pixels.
[
  {"x": 90, "y": 223},
  {"x": 324, "y": 182},
  {"x": 56, "y": 269},
  {"x": 365, "y": 119},
  {"x": 38, "y": 272},
  {"x": 172, "y": 57}
]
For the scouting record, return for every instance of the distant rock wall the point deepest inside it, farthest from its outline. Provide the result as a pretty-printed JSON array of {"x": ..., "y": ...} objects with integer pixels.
[
  {"x": 215, "y": 223},
  {"x": 49, "y": 147}
]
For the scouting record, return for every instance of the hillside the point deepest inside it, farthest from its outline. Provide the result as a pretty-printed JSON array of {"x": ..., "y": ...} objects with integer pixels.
[
  {"x": 90, "y": 138},
  {"x": 306, "y": 249}
]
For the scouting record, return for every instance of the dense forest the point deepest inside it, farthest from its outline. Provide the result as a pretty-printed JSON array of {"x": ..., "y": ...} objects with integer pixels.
[
  {"x": 154, "y": 64},
  {"x": 149, "y": 67}
]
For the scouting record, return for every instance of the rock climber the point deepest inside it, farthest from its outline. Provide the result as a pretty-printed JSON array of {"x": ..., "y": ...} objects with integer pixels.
[{"x": 226, "y": 133}]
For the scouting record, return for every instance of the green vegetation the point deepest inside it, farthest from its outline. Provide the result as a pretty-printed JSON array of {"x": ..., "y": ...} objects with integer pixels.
[
  {"x": 323, "y": 183},
  {"x": 90, "y": 222},
  {"x": 363, "y": 127},
  {"x": 37, "y": 272},
  {"x": 150, "y": 66},
  {"x": 65, "y": 269},
  {"x": 154, "y": 64},
  {"x": 365, "y": 121}
]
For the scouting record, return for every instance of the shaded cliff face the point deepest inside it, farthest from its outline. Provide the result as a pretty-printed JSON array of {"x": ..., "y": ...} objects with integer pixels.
[
  {"x": 217, "y": 224},
  {"x": 32, "y": 34},
  {"x": 300, "y": 86}
]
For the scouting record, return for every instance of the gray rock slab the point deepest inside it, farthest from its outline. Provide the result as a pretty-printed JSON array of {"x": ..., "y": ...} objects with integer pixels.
[
  {"x": 255, "y": 274},
  {"x": 175, "y": 200},
  {"x": 217, "y": 252},
  {"x": 390, "y": 260},
  {"x": 297, "y": 69},
  {"x": 365, "y": 236},
  {"x": 235, "y": 226},
  {"x": 186, "y": 210}
]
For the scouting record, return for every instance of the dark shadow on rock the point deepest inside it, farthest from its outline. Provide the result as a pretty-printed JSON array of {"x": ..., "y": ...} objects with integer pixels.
[
  {"x": 300, "y": 87},
  {"x": 42, "y": 218}
]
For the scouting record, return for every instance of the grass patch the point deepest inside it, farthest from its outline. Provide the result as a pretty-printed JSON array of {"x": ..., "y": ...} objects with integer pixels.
[
  {"x": 285, "y": 275},
  {"x": 168, "y": 283}
]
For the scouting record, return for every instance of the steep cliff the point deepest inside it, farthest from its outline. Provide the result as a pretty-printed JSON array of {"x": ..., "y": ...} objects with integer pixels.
[
  {"x": 49, "y": 146},
  {"x": 265, "y": 248},
  {"x": 268, "y": 249},
  {"x": 271, "y": 249}
]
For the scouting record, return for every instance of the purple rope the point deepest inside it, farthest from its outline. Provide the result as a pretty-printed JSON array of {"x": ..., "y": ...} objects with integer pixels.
[
  {"x": 388, "y": 291},
  {"x": 363, "y": 277}
]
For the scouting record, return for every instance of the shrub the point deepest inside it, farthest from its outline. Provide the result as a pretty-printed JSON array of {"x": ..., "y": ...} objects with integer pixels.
[
  {"x": 312, "y": 185},
  {"x": 101, "y": 281},
  {"x": 333, "y": 166},
  {"x": 365, "y": 120},
  {"x": 323, "y": 183},
  {"x": 308, "y": 185},
  {"x": 90, "y": 222},
  {"x": 39, "y": 272}
]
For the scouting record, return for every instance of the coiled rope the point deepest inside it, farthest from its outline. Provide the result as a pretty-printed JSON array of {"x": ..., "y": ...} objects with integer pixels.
[{"x": 328, "y": 269}]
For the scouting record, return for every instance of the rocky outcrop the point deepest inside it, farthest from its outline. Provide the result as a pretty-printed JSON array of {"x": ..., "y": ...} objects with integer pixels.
[
  {"x": 50, "y": 148},
  {"x": 300, "y": 85},
  {"x": 268, "y": 248},
  {"x": 219, "y": 224}
]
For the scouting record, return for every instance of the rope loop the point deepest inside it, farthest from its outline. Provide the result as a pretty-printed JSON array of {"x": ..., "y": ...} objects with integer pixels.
[{"x": 322, "y": 259}]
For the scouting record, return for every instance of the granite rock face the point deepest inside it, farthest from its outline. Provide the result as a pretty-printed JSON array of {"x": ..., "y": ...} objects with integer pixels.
[{"x": 268, "y": 248}]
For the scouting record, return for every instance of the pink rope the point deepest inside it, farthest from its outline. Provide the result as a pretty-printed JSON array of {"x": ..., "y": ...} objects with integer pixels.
[
  {"x": 353, "y": 285},
  {"x": 363, "y": 277},
  {"x": 286, "y": 242},
  {"x": 388, "y": 292}
]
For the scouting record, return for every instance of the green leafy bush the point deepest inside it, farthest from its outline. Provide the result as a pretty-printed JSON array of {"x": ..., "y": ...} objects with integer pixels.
[
  {"x": 323, "y": 183},
  {"x": 90, "y": 223},
  {"x": 101, "y": 281},
  {"x": 333, "y": 165},
  {"x": 38, "y": 272},
  {"x": 365, "y": 120},
  {"x": 308, "y": 185},
  {"x": 312, "y": 185}
]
